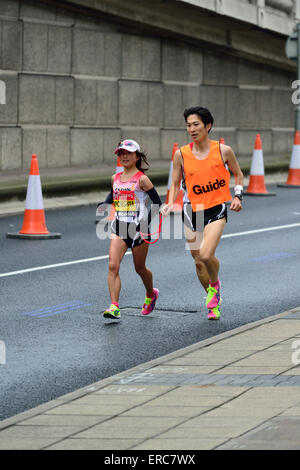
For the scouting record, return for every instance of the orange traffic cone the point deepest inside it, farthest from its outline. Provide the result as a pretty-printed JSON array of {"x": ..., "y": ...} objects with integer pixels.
[
  {"x": 256, "y": 185},
  {"x": 222, "y": 141},
  {"x": 119, "y": 168},
  {"x": 34, "y": 223},
  {"x": 293, "y": 180},
  {"x": 178, "y": 203}
]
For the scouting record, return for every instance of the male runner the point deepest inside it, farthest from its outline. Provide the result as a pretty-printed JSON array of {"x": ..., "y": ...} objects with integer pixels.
[{"x": 202, "y": 165}]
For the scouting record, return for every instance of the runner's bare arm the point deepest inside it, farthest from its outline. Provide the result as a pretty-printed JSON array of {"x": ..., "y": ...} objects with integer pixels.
[
  {"x": 233, "y": 165},
  {"x": 176, "y": 180},
  {"x": 147, "y": 186},
  {"x": 145, "y": 183}
]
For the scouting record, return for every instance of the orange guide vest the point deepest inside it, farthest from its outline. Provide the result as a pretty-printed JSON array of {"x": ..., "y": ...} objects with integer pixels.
[{"x": 207, "y": 180}]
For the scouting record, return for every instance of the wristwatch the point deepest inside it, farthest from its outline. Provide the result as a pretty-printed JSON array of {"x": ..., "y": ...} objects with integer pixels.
[{"x": 240, "y": 196}]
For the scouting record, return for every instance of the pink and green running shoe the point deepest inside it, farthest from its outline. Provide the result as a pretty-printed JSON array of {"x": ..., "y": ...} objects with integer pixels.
[
  {"x": 112, "y": 312},
  {"x": 213, "y": 295},
  {"x": 214, "y": 313},
  {"x": 150, "y": 302}
]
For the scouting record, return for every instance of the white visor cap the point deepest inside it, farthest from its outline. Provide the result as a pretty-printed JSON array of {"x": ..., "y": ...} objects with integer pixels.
[{"x": 130, "y": 145}]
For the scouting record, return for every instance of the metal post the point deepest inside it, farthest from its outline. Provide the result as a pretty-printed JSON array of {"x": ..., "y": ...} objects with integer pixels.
[{"x": 297, "y": 124}]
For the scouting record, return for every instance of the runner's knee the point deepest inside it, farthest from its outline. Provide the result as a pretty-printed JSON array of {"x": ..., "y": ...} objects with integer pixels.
[
  {"x": 206, "y": 256},
  {"x": 140, "y": 269},
  {"x": 200, "y": 265},
  {"x": 113, "y": 266}
]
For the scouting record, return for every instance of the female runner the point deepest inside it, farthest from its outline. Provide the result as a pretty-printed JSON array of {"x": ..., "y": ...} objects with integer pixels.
[{"x": 130, "y": 192}]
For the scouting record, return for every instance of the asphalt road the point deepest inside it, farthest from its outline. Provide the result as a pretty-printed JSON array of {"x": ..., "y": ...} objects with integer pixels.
[{"x": 51, "y": 324}]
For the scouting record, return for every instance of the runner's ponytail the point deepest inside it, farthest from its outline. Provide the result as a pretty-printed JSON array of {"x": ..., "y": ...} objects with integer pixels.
[{"x": 142, "y": 160}]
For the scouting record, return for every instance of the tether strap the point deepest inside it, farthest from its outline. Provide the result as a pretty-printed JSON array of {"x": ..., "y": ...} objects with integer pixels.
[{"x": 158, "y": 231}]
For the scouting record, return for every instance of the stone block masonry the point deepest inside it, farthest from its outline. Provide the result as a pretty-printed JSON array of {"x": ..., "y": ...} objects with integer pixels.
[{"x": 76, "y": 81}]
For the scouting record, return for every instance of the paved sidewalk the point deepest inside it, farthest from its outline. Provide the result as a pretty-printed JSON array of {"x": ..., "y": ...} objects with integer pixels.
[
  {"x": 74, "y": 181},
  {"x": 70, "y": 181},
  {"x": 15, "y": 206},
  {"x": 237, "y": 390}
]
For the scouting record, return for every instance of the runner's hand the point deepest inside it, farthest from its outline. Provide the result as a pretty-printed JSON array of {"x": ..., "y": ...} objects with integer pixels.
[
  {"x": 236, "y": 205},
  {"x": 166, "y": 209}
]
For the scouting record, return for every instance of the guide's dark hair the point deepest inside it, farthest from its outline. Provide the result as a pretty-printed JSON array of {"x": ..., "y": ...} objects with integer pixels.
[{"x": 203, "y": 113}]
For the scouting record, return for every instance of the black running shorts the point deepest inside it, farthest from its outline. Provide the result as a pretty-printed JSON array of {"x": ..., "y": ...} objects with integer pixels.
[
  {"x": 196, "y": 221},
  {"x": 129, "y": 232}
]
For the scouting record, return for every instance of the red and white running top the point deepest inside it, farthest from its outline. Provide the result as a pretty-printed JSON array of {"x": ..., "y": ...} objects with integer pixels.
[{"x": 129, "y": 199}]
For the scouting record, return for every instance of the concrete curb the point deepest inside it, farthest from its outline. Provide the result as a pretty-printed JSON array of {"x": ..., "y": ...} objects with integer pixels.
[
  {"x": 74, "y": 184},
  {"x": 140, "y": 368}
]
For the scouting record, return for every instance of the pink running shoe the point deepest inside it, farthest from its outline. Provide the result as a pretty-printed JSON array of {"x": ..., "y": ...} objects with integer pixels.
[
  {"x": 214, "y": 314},
  {"x": 150, "y": 302},
  {"x": 213, "y": 296}
]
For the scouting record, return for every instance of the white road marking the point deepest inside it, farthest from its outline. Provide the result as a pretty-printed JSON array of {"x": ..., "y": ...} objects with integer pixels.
[
  {"x": 268, "y": 229},
  {"x": 99, "y": 258},
  {"x": 58, "y": 265}
]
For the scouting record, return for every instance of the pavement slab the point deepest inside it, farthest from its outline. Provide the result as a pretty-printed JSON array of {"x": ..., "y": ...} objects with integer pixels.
[{"x": 173, "y": 403}]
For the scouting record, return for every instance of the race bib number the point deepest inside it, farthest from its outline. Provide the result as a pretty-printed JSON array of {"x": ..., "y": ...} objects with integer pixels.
[{"x": 125, "y": 202}]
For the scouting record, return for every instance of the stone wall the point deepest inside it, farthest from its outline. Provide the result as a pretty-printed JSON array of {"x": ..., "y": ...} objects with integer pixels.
[{"x": 76, "y": 84}]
